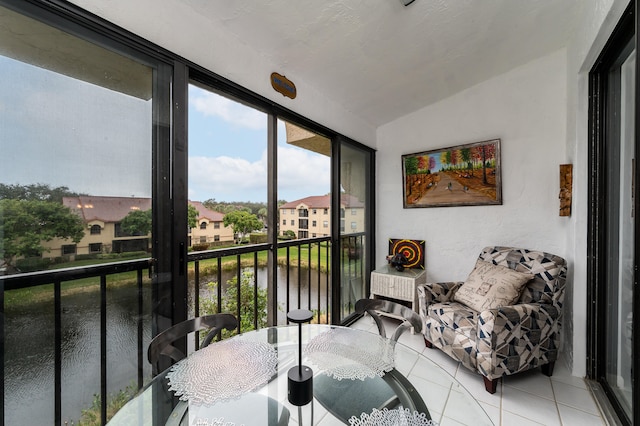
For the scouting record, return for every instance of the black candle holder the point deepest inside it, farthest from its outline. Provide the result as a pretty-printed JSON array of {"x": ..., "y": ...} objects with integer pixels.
[{"x": 300, "y": 383}]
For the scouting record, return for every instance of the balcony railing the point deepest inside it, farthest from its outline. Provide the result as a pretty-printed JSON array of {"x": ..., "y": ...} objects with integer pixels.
[{"x": 298, "y": 286}]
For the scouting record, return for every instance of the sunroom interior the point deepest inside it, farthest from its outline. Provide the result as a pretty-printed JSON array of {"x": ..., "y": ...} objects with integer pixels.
[{"x": 374, "y": 81}]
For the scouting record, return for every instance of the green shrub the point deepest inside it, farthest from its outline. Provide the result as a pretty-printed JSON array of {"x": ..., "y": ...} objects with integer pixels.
[
  {"x": 200, "y": 247},
  {"x": 115, "y": 401},
  {"x": 258, "y": 238},
  {"x": 31, "y": 264},
  {"x": 288, "y": 235},
  {"x": 133, "y": 254},
  {"x": 230, "y": 304}
]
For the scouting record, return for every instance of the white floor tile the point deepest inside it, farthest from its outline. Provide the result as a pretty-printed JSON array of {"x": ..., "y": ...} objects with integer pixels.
[
  {"x": 529, "y": 406},
  {"x": 561, "y": 373},
  {"x": 572, "y": 417},
  {"x": 511, "y": 419},
  {"x": 525, "y": 399},
  {"x": 492, "y": 412},
  {"x": 474, "y": 384},
  {"x": 575, "y": 397},
  {"x": 532, "y": 381}
]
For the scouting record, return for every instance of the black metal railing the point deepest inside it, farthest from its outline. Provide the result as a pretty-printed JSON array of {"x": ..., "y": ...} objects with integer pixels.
[
  {"x": 239, "y": 259},
  {"x": 304, "y": 283},
  {"x": 55, "y": 279}
]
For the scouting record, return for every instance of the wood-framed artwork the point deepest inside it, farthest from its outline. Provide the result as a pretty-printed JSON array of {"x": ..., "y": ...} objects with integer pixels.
[{"x": 463, "y": 175}]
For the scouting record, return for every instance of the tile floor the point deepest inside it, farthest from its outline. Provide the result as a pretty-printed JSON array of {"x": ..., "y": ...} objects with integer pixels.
[{"x": 528, "y": 398}]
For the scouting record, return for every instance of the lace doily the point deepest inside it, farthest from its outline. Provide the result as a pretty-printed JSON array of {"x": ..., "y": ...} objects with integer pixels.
[
  {"x": 222, "y": 371},
  {"x": 345, "y": 354},
  {"x": 214, "y": 422},
  {"x": 397, "y": 417}
]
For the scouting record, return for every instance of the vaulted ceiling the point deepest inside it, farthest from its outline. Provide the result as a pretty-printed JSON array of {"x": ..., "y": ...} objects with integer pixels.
[
  {"x": 380, "y": 59},
  {"x": 384, "y": 60}
]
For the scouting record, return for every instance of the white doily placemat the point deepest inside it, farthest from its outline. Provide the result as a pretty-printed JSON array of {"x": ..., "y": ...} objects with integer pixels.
[
  {"x": 222, "y": 371},
  {"x": 349, "y": 354},
  {"x": 397, "y": 417},
  {"x": 213, "y": 422}
]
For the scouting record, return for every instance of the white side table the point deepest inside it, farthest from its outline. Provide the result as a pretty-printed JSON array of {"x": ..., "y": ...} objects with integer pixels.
[{"x": 388, "y": 282}]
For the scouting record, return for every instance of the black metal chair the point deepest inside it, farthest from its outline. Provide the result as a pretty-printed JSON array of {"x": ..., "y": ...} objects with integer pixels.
[
  {"x": 376, "y": 307},
  {"x": 162, "y": 344}
]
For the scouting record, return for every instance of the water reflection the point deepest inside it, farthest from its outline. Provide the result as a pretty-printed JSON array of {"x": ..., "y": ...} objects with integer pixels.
[{"x": 29, "y": 337}]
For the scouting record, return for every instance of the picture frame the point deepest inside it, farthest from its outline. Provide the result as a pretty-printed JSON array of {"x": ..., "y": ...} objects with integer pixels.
[
  {"x": 413, "y": 251},
  {"x": 461, "y": 175}
]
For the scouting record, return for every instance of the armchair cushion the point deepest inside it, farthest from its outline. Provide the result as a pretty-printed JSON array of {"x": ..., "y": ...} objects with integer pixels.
[
  {"x": 454, "y": 315},
  {"x": 491, "y": 286}
]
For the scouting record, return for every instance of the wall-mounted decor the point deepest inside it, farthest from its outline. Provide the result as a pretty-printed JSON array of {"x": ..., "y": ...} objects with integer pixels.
[
  {"x": 283, "y": 85},
  {"x": 463, "y": 175},
  {"x": 412, "y": 250},
  {"x": 566, "y": 182}
]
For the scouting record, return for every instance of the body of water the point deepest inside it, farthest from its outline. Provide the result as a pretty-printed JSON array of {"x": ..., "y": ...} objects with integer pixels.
[{"x": 29, "y": 339}]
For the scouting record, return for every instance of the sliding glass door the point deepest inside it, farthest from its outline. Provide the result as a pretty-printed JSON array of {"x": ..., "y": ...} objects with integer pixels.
[{"x": 613, "y": 221}]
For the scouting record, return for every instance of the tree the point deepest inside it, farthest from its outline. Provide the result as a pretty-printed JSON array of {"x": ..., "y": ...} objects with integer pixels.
[
  {"x": 28, "y": 223},
  {"x": 137, "y": 222},
  {"x": 242, "y": 222},
  {"x": 411, "y": 165},
  {"x": 465, "y": 154},
  {"x": 39, "y": 191},
  {"x": 192, "y": 216},
  {"x": 262, "y": 213}
]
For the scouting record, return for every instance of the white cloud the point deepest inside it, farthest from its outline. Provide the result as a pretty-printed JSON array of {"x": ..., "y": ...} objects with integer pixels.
[
  {"x": 213, "y": 105},
  {"x": 299, "y": 169},
  {"x": 301, "y": 173}
]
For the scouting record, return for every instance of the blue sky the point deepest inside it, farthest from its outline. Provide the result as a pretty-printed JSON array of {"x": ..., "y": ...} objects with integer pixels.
[
  {"x": 228, "y": 154},
  {"x": 61, "y": 131}
]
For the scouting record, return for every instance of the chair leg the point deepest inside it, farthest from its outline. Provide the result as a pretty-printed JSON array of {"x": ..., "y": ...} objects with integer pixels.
[
  {"x": 547, "y": 369},
  {"x": 490, "y": 385},
  {"x": 428, "y": 343}
]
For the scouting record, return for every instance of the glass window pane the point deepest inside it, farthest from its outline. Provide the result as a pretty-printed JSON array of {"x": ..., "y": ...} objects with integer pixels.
[
  {"x": 304, "y": 190},
  {"x": 354, "y": 182},
  {"x": 620, "y": 235},
  {"x": 227, "y": 165},
  {"x": 76, "y": 124}
]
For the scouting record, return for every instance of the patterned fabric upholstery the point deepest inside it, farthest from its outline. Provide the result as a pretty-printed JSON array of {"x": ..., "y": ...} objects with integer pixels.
[{"x": 507, "y": 340}]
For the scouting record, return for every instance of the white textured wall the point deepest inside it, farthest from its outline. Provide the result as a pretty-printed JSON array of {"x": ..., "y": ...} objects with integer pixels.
[
  {"x": 526, "y": 109},
  {"x": 540, "y": 111}
]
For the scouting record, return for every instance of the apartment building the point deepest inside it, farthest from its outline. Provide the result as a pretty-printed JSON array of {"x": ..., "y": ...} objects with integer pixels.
[
  {"x": 310, "y": 217},
  {"x": 210, "y": 227},
  {"x": 102, "y": 217}
]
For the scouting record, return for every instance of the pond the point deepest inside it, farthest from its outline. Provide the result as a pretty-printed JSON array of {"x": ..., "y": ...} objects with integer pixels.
[{"x": 29, "y": 351}]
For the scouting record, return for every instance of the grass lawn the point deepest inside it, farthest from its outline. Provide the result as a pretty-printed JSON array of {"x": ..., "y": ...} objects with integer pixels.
[{"x": 207, "y": 267}]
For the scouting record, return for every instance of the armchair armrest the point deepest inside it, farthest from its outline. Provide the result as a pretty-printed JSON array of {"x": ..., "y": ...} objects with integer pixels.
[
  {"x": 529, "y": 325},
  {"x": 436, "y": 292}
]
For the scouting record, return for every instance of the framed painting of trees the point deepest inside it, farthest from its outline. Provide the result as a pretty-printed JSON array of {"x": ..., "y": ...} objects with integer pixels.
[{"x": 463, "y": 175}]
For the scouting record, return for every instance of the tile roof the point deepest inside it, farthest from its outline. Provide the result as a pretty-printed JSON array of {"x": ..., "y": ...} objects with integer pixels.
[
  {"x": 106, "y": 209},
  {"x": 114, "y": 209},
  {"x": 205, "y": 213}
]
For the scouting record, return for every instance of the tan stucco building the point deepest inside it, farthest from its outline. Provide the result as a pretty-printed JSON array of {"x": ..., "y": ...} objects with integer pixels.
[
  {"x": 310, "y": 217},
  {"x": 103, "y": 234}
]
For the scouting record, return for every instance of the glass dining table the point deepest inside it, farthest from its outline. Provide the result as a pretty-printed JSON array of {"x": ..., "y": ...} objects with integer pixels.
[{"x": 359, "y": 378}]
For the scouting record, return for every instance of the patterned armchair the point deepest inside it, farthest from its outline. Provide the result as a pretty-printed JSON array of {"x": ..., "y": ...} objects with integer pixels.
[{"x": 505, "y": 340}]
